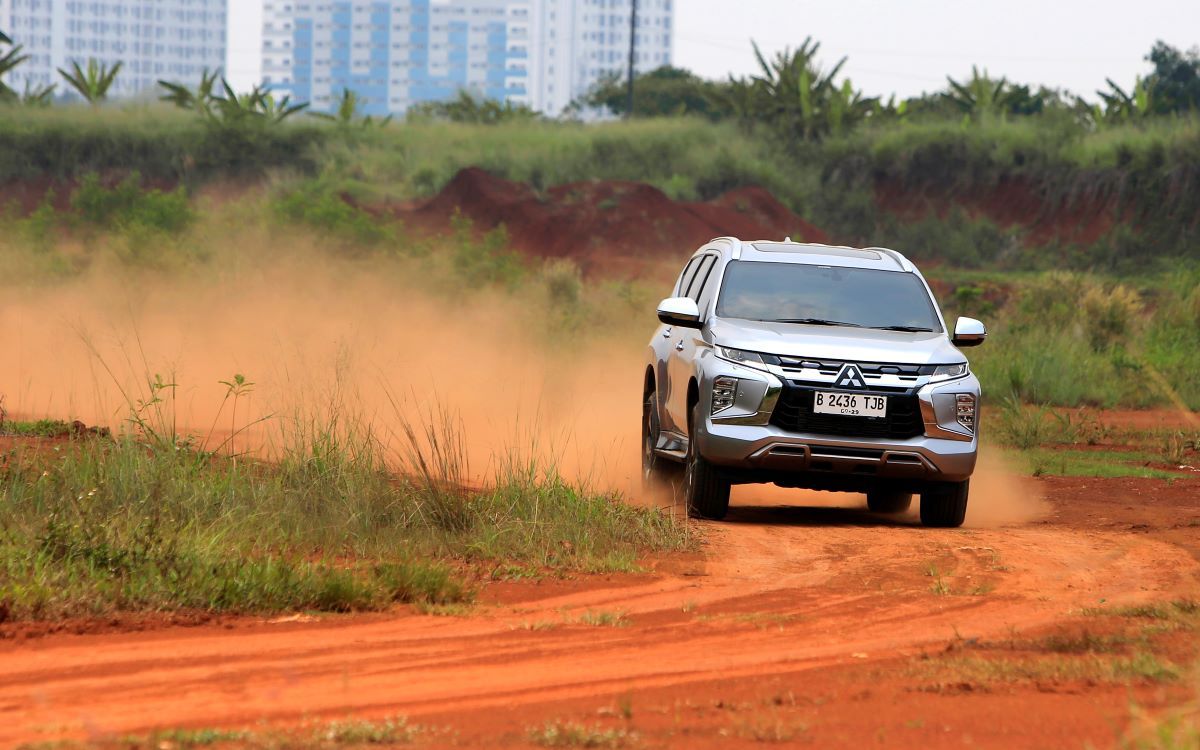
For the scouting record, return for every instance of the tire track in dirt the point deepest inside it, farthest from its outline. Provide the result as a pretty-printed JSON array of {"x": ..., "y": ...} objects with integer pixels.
[{"x": 778, "y": 590}]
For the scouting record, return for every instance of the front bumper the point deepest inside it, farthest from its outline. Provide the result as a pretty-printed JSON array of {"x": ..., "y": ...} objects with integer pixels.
[{"x": 743, "y": 441}]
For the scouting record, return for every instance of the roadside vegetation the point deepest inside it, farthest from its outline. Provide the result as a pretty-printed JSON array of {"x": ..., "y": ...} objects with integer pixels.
[{"x": 145, "y": 522}]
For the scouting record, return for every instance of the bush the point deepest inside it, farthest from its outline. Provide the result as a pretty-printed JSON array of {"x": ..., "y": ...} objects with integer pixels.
[
  {"x": 314, "y": 204},
  {"x": 127, "y": 205}
]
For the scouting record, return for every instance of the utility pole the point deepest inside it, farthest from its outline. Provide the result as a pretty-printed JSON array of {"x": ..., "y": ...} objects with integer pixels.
[{"x": 632, "y": 55}]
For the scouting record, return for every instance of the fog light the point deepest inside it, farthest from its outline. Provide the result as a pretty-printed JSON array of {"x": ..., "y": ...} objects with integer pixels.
[
  {"x": 965, "y": 407},
  {"x": 724, "y": 390}
]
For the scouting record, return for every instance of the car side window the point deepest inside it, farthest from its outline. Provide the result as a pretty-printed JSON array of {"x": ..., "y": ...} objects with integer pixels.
[
  {"x": 701, "y": 277},
  {"x": 685, "y": 278},
  {"x": 708, "y": 287}
]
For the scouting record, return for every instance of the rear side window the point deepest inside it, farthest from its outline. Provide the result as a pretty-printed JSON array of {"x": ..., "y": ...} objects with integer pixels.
[
  {"x": 702, "y": 273},
  {"x": 685, "y": 278}
]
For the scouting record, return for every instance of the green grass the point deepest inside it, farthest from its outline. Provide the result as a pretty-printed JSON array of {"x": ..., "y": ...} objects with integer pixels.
[
  {"x": 350, "y": 732},
  {"x": 573, "y": 734},
  {"x": 38, "y": 428},
  {"x": 119, "y": 525},
  {"x": 1104, "y": 464},
  {"x": 1140, "y": 667},
  {"x": 602, "y": 618}
]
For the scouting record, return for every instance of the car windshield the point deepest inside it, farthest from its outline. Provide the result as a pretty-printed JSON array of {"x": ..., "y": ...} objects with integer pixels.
[{"x": 825, "y": 295}]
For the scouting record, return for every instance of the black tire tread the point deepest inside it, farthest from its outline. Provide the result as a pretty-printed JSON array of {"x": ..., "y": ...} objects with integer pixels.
[
  {"x": 708, "y": 492},
  {"x": 944, "y": 506}
]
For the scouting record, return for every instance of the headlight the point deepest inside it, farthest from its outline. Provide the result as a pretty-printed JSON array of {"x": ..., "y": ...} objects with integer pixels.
[
  {"x": 742, "y": 357},
  {"x": 949, "y": 372}
]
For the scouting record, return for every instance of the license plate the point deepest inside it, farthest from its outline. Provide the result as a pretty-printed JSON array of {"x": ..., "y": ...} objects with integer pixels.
[{"x": 849, "y": 404}]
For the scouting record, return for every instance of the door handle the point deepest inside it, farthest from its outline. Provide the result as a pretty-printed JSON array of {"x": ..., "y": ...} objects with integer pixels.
[{"x": 679, "y": 347}]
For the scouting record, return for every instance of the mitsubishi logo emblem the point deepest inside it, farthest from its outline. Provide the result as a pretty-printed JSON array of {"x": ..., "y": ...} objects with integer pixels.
[{"x": 850, "y": 377}]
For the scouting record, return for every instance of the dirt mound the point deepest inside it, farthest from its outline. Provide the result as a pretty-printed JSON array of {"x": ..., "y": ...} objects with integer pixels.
[
  {"x": 615, "y": 226},
  {"x": 1009, "y": 203}
]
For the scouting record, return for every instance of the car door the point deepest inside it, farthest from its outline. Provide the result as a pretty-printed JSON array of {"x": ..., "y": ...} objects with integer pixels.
[
  {"x": 683, "y": 352},
  {"x": 667, "y": 339}
]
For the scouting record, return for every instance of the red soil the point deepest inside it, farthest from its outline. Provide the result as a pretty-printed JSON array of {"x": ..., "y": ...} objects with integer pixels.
[
  {"x": 617, "y": 226},
  {"x": 799, "y": 621},
  {"x": 1009, "y": 203}
]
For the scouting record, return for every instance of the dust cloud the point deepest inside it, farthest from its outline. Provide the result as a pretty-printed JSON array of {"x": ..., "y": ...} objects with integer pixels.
[
  {"x": 1001, "y": 495},
  {"x": 325, "y": 341}
]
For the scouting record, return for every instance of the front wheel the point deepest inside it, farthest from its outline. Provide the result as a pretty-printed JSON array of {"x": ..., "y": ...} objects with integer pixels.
[
  {"x": 706, "y": 492},
  {"x": 944, "y": 505},
  {"x": 657, "y": 472}
]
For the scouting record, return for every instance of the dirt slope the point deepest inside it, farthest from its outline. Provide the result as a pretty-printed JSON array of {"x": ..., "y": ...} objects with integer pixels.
[
  {"x": 786, "y": 600},
  {"x": 616, "y": 226}
]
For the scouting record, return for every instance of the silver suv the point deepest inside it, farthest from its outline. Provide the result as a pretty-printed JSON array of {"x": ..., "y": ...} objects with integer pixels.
[{"x": 813, "y": 366}]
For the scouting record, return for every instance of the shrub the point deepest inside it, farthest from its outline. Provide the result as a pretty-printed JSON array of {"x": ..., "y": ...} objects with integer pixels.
[
  {"x": 127, "y": 205},
  {"x": 314, "y": 204}
]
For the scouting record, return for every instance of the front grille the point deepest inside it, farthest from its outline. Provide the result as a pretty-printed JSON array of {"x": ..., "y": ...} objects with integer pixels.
[{"x": 794, "y": 413}]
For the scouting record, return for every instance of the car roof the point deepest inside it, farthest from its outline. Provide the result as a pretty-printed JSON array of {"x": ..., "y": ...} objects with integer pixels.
[{"x": 812, "y": 253}]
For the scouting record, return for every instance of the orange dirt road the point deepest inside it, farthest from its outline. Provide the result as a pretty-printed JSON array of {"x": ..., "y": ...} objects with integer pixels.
[{"x": 782, "y": 595}]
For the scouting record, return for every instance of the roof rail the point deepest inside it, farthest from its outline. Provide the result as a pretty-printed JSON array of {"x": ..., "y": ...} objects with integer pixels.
[
  {"x": 901, "y": 261},
  {"x": 735, "y": 245}
]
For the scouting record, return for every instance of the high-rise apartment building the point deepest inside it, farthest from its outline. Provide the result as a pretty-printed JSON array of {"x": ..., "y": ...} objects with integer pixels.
[
  {"x": 154, "y": 39},
  {"x": 397, "y": 53}
]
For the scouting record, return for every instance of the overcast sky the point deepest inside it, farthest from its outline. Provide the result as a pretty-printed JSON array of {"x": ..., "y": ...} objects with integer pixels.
[{"x": 898, "y": 46}]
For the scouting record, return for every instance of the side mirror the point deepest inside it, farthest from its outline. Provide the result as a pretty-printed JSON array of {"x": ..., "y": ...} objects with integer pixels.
[
  {"x": 679, "y": 311},
  {"x": 968, "y": 332}
]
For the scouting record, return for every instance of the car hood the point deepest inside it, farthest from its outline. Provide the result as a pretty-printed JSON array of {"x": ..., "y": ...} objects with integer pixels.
[{"x": 835, "y": 342}]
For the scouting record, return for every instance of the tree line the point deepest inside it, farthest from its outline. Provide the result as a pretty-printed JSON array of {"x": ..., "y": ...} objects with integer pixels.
[{"x": 792, "y": 93}]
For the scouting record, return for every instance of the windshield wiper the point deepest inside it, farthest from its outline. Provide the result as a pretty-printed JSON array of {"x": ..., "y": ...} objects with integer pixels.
[
  {"x": 904, "y": 329},
  {"x": 815, "y": 322}
]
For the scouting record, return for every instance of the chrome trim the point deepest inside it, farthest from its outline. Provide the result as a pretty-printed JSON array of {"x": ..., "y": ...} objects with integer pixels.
[
  {"x": 933, "y": 428},
  {"x": 801, "y": 456},
  {"x": 814, "y": 375}
]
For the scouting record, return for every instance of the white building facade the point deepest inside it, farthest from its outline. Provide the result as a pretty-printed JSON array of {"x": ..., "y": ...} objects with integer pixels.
[
  {"x": 397, "y": 53},
  {"x": 172, "y": 40}
]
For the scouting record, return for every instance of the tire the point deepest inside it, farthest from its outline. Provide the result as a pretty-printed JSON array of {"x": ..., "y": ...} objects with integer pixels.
[
  {"x": 657, "y": 472},
  {"x": 706, "y": 493},
  {"x": 888, "y": 501},
  {"x": 944, "y": 505}
]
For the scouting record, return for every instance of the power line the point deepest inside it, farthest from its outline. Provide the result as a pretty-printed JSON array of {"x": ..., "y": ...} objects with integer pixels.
[{"x": 954, "y": 55}]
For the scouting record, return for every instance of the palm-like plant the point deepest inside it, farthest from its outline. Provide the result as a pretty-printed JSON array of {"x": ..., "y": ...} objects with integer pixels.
[
  {"x": 346, "y": 113},
  {"x": 93, "y": 82},
  {"x": 38, "y": 96},
  {"x": 796, "y": 96},
  {"x": 199, "y": 100},
  {"x": 980, "y": 96},
  {"x": 1122, "y": 106},
  {"x": 467, "y": 107},
  {"x": 9, "y": 60},
  {"x": 225, "y": 106}
]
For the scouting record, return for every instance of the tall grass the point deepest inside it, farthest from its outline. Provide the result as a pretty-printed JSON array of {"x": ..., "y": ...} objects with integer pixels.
[{"x": 328, "y": 523}]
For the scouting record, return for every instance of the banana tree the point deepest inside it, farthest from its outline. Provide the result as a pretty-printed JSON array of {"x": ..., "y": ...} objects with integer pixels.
[
  {"x": 980, "y": 96},
  {"x": 278, "y": 110},
  {"x": 8, "y": 61},
  {"x": 1122, "y": 106},
  {"x": 38, "y": 96},
  {"x": 199, "y": 100},
  {"x": 93, "y": 82},
  {"x": 224, "y": 106},
  {"x": 346, "y": 113}
]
